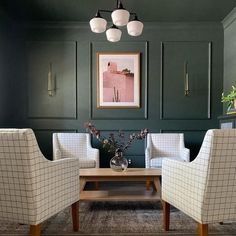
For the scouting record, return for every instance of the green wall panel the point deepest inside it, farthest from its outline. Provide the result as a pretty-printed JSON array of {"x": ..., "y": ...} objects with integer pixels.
[
  {"x": 62, "y": 57},
  {"x": 183, "y": 61},
  {"x": 8, "y": 71}
]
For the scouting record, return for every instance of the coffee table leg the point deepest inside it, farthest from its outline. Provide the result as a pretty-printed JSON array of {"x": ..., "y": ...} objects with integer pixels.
[
  {"x": 82, "y": 183},
  {"x": 148, "y": 184},
  {"x": 157, "y": 185}
]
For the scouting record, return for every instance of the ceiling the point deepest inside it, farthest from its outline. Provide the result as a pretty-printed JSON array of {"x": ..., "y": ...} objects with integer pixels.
[{"x": 147, "y": 10}]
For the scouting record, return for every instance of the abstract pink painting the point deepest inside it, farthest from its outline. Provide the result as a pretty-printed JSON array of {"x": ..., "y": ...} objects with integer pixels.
[{"x": 118, "y": 79}]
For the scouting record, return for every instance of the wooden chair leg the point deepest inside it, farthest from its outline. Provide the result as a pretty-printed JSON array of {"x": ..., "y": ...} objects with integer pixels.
[
  {"x": 35, "y": 230},
  {"x": 166, "y": 217},
  {"x": 75, "y": 216},
  {"x": 202, "y": 229},
  {"x": 148, "y": 183}
]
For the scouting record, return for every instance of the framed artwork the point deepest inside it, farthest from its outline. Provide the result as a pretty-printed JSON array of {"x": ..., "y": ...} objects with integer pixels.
[{"x": 118, "y": 80}]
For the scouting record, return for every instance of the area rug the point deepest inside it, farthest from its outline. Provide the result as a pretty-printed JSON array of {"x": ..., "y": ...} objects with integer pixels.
[{"x": 119, "y": 218}]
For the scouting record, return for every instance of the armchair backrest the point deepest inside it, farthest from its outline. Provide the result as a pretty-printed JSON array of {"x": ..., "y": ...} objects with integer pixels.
[
  {"x": 165, "y": 144},
  {"x": 217, "y": 164},
  {"x": 71, "y": 144},
  {"x": 19, "y": 165}
]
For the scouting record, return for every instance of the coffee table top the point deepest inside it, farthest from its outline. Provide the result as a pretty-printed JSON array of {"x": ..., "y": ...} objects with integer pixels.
[{"x": 92, "y": 172}]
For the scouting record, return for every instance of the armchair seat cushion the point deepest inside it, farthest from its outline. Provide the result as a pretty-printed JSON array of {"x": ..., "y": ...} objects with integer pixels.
[
  {"x": 87, "y": 163},
  {"x": 156, "y": 162}
]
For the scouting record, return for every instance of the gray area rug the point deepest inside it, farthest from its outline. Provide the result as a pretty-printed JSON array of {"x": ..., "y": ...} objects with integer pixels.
[{"x": 119, "y": 218}]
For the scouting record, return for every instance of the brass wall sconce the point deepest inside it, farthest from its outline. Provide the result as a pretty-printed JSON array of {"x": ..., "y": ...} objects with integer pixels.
[
  {"x": 51, "y": 82},
  {"x": 186, "y": 79}
]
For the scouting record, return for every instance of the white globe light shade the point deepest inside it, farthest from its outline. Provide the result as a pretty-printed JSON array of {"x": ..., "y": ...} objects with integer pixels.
[
  {"x": 135, "y": 28},
  {"x": 98, "y": 24},
  {"x": 113, "y": 35},
  {"x": 120, "y": 17}
]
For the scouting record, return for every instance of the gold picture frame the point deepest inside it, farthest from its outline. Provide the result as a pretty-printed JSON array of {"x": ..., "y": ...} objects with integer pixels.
[{"x": 118, "y": 80}]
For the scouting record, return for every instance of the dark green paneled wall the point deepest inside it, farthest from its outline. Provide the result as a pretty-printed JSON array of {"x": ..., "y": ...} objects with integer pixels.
[
  {"x": 12, "y": 87},
  {"x": 130, "y": 120},
  {"x": 6, "y": 79}
]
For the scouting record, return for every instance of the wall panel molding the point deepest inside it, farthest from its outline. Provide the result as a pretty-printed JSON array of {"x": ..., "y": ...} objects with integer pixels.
[
  {"x": 229, "y": 19},
  {"x": 87, "y": 44},
  {"x": 173, "y": 104},
  {"x": 63, "y": 58}
]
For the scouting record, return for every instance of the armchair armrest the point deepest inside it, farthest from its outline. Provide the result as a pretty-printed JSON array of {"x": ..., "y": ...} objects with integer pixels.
[
  {"x": 183, "y": 185},
  {"x": 185, "y": 154},
  {"x": 93, "y": 153},
  {"x": 57, "y": 154},
  {"x": 148, "y": 156}
]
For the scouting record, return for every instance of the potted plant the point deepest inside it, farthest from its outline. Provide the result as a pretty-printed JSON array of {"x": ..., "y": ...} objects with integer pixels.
[{"x": 230, "y": 99}]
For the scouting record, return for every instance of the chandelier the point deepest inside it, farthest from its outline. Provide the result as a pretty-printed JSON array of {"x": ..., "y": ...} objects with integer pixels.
[{"x": 120, "y": 17}]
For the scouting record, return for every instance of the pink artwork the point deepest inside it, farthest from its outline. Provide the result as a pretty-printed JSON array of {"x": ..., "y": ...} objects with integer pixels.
[{"x": 118, "y": 80}]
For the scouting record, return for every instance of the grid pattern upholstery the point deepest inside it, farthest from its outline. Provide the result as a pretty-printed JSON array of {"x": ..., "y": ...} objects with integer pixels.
[
  {"x": 205, "y": 189},
  {"x": 165, "y": 145},
  {"x": 32, "y": 188},
  {"x": 75, "y": 145}
]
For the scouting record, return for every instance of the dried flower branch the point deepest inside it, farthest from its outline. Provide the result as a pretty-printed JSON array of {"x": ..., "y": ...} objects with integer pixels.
[{"x": 117, "y": 140}]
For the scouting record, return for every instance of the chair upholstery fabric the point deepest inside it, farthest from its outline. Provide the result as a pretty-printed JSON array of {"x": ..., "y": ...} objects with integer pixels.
[
  {"x": 75, "y": 145},
  {"x": 163, "y": 145},
  {"x": 33, "y": 188},
  {"x": 205, "y": 189}
]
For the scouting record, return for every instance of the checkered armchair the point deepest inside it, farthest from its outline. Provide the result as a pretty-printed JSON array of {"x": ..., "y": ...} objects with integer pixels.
[
  {"x": 75, "y": 145},
  {"x": 165, "y": 145},
  {"x": 32, "y": 188},
  {"x": 204, "y": 189}
]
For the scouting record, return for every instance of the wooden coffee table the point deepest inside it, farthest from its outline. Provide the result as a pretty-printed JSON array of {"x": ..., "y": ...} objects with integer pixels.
[{"x": 131, "y": 174}]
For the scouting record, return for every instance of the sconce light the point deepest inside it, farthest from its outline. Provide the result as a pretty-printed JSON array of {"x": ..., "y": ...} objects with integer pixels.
[
  {"x": 120, "y": 17},
  {"x": 51, "y": 82},
  {"x": 186, "y": 79}
]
